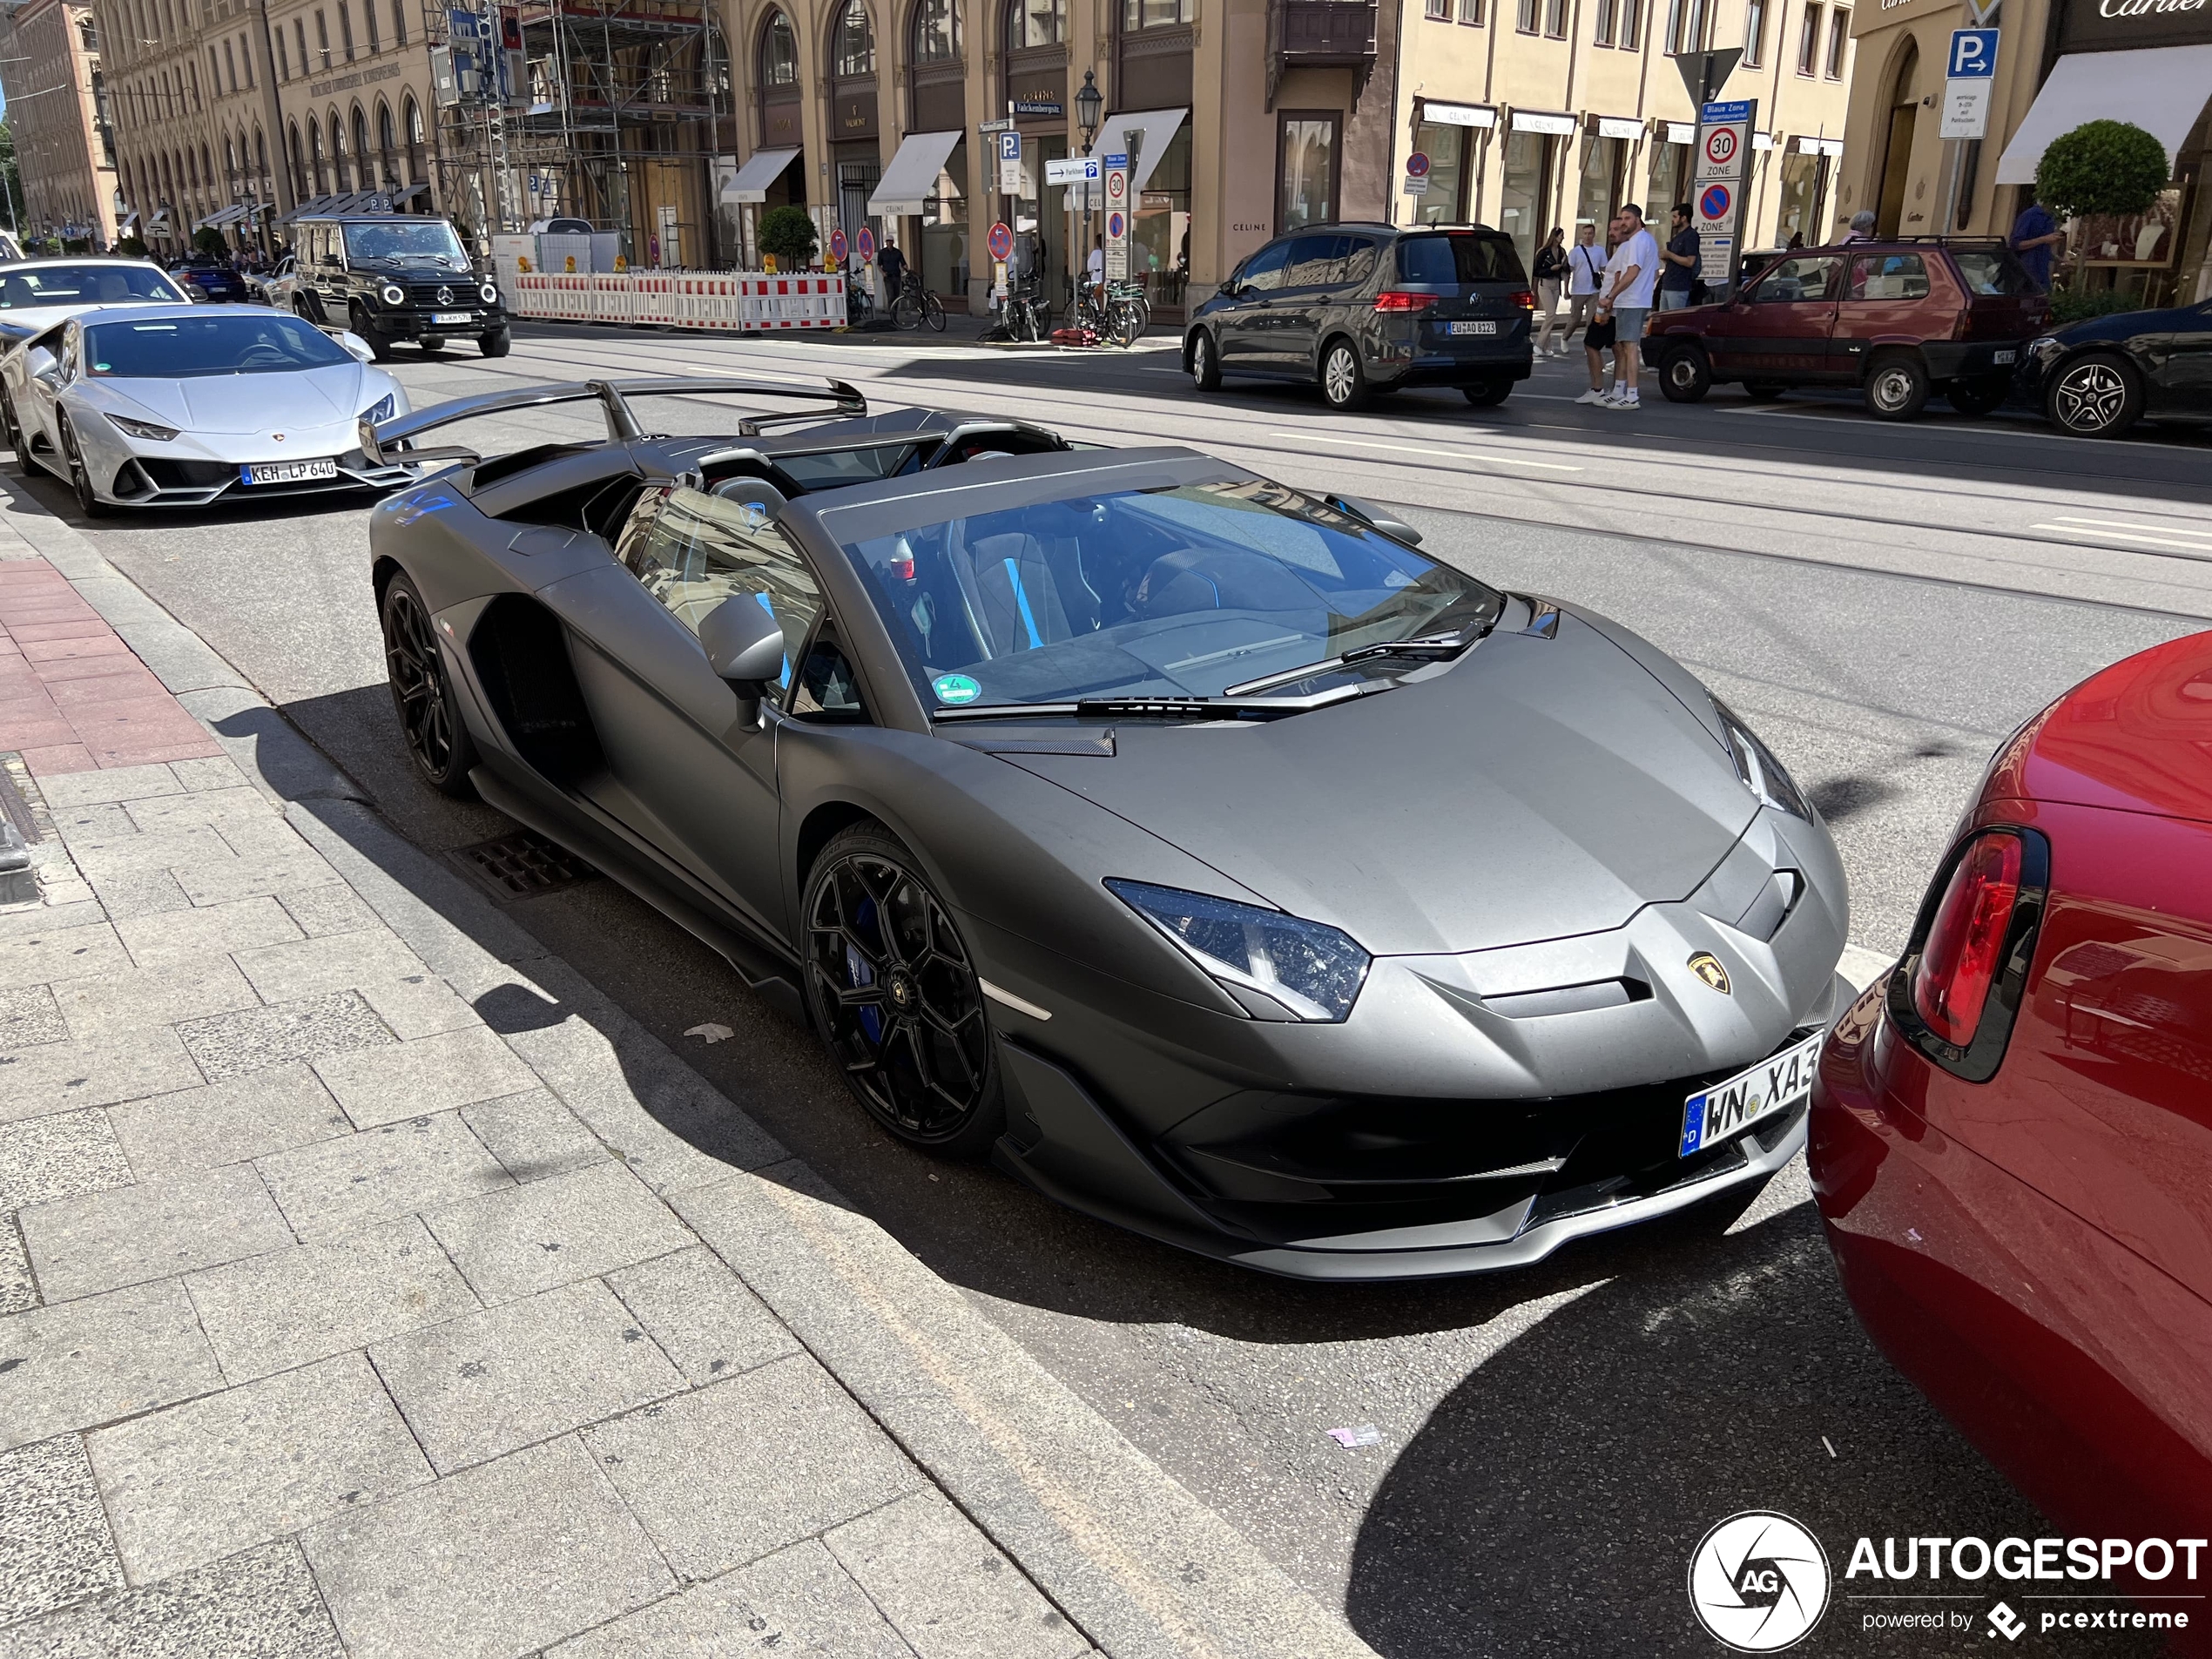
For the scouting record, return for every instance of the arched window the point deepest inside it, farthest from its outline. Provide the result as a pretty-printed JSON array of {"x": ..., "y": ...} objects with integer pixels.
[
  {"x": 779, "y": 52},
  {"x": 937, "y": 32},
  {"x": 298, "y": 168},
  {"x": 230, "y": 160},
  {"x": 386, "y": 142},
  {"x": 1035, "y": 23},
  {"x": 262, "y": 157},
  {"x": 315, "y": 155},
  {"x": 363, "y": 168},
  {"x": 415, "y": 140},
  {"x": 854, "y": 50},
  {"x": 334, "y": 125}
]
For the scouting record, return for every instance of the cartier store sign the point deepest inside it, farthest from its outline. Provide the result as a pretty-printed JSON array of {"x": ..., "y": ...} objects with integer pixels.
[{"x": 2116, "y": 25}]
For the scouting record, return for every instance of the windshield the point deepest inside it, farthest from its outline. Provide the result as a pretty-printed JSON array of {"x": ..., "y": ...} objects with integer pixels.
[
  {"x": 430, "y": 239},
  {"x": 232, "y": 343},
  {"x": 1179, "y": 592},
  {"x": 86, "y": 285}
]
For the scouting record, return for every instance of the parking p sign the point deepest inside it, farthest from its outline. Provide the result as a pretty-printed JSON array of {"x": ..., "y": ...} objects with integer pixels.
[{"x": 1968, "y": 75}]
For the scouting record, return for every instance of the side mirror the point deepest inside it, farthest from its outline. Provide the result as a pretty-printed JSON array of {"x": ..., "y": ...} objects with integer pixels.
[
  {"x": 356, "y": 347},
  {"x": 744, "y": 644},
  {"x": 1397, "y": 528},
  {"x": 40, "y": 365}
]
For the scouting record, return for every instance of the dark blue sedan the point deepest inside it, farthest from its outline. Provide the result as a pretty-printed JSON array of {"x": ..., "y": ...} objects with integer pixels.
[
  {"x": 212, "y": 279},
  {"x": 2097, "y": 378}
]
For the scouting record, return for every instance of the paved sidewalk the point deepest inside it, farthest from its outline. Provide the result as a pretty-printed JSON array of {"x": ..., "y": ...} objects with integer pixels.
[{"x": 373, "y": 1285}]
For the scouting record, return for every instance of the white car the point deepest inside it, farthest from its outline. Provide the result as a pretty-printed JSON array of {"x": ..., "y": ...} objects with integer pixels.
[
  {"x": 35, "y": 294},
  {"x": 175, "y": 406}
]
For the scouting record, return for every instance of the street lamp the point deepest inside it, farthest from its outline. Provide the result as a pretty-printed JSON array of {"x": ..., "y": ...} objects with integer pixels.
[{"x": 1087, "y": 105}]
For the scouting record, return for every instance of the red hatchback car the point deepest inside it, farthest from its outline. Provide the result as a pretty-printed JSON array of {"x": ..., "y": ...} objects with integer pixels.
[
  {"x": 1898, "y": 319},
  {"x": 2012, "y": 1137}
]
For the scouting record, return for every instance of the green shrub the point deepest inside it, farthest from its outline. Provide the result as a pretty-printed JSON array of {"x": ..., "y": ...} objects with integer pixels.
[
  {"x": 2101, "y": 167},
  {"x": 131, "y": 247},
  {"x": 208, "y": 240},
  {"x": 788, "y": 233},
  {"x": 2073, "y": 304}
]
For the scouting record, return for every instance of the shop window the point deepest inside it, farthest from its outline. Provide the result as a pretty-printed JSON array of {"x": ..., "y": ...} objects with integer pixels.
[
  {"x": 1527, "y": 180},
  {"x": 937, "y": 32},
  {"x": 1599, "y": 190},
  {"x": 1753, "y": 34},
  {"x": 1306, "y": 180},
  {"x": 854, "y": 52},
  {"x": 1800, "y": 203},
  {"x": 1446, "y": 149},
  {"x": 1838, "y": 38},
  {"x": 1808, "y": 40},
  {"x": 1160, "y": 228}
]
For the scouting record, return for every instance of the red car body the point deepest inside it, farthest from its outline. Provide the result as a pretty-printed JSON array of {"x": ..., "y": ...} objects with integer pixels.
[{"x": 2012, "y": 1136}]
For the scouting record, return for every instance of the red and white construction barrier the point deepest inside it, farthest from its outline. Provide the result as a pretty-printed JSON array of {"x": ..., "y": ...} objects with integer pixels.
[{"x": 733, "y": 302}]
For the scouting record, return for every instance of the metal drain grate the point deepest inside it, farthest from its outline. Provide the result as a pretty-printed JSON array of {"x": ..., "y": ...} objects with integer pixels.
[{"x": 522, "y": 866}]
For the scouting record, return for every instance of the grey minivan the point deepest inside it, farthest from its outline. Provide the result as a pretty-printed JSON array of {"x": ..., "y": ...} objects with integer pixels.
[{"x": 1359, "y": 309}]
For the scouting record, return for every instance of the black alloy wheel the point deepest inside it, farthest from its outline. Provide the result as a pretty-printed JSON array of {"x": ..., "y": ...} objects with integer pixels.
[
  {"x": 896, "y": 997},
  {"x": 80, "y": 475},
  {"x": 495, "y": 345},
  {"x": 432, "y": 344},
  {"x": 1487, "y": 395},
  {"x": 1205, "y": 362},
  {"x": 1685, "y": 376},
  {"x": 429, "y": 718},
  {"x": 1344, "y": 377},
  {"x": 379, "y": 342},
  {"x": 18, "y": 444},
  {"x": 2097, "y": 396}
]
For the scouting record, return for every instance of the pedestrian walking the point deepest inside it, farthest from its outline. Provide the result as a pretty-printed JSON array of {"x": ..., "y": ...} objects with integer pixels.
[
  {"x": 1551, "y": 275},
  {"x": 892, "y": 264},
  {"x": 1631, "y": 278},
  {"x": 1678, "y": 275},
  {"x": 1585, "y": 276},
  {"x": 1597, "y": 340},
  {"x": 2036, "y": 237}
]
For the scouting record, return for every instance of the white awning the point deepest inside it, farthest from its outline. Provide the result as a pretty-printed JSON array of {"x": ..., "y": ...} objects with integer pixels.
[
  {"x": 1682, "y": 132},
  {"x": 762, "y": 169},
  {"x": 1459, "y": 115},
  {"x": 911, "y": 180},
  {"x": 1543, "y": 121},
  {"x": 2161, "y": 89},
  {"x": 1619, "y": 126},
  {"x": 1155, "y": 131}
]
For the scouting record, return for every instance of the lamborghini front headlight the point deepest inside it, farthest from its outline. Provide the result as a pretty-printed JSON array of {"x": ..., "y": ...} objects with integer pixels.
[{"x": 1307, "y": 970}]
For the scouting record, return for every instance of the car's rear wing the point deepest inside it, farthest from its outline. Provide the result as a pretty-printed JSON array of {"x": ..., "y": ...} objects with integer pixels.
[{"x": 386, "y": 444}]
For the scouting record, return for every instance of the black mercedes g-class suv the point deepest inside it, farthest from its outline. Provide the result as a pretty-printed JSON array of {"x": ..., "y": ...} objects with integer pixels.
[{"x": 395, "y": 276}]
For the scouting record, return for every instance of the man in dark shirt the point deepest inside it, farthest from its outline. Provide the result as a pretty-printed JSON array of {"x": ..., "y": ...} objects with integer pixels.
[
  {"x": 2035, "y": 237},
  {"x": 1678, "y": 264},
  {"x": 892, "y": 264}
]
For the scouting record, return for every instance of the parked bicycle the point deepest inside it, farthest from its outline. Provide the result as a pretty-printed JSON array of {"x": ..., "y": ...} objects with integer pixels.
[
  {"x": 1028, "y": 314},
  {"x": 916, "y": 306},
  {"x": 1120, "y": 314}
]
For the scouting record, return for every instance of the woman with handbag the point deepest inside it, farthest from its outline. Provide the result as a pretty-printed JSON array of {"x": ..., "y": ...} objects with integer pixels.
[{"x": 1550, "y": 273}]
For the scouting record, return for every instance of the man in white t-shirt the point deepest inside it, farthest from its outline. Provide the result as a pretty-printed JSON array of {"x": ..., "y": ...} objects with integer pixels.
[{"x": 1630, "y": 277}]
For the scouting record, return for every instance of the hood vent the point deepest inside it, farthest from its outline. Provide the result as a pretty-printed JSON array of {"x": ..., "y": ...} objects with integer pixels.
[{"x": 1570, "y": 999}]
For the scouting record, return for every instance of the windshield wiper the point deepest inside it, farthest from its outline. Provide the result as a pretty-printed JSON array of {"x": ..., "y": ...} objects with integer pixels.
[
  {"x": 1429, "y": 648},
  {"x": 1157, "y": 708}
]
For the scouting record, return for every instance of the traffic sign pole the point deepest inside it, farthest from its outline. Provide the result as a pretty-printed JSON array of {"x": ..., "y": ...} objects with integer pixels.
[
  {"x": 1723, "y": 176},
  {"x": 1969, "y": 77}
]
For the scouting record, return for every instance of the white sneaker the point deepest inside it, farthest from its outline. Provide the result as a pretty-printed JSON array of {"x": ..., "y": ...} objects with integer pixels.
[
  {"x": 1594, "y": 397},
  {"x": 1631, "y": 401}
]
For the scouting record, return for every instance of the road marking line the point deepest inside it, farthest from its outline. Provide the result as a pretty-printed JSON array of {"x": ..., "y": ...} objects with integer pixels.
[
  {"x": 2124, "y": 536},
  {"x": 2128, "y": 524},
  {"x": 1415, "y": 449}
]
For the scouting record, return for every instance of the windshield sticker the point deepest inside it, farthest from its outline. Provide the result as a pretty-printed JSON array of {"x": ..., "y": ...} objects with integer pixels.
[{"x": 955, "y": 689}]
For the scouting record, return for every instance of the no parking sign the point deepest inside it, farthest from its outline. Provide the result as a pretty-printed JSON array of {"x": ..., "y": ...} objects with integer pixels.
[
  {"x": 1724, "y": 168},
  {"x": 838, "y": 245},
  {"x": 866, "y": 246}
]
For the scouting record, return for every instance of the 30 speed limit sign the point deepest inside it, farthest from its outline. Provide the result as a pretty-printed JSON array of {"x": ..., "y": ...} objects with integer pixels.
[{"x": 1721, "y": 144}]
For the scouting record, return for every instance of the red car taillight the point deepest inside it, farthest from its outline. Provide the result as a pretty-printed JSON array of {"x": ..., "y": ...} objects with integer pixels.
[
  {"x": 1525, "y": 299},
  {"x": 1966, "y": 942},
  {"x": 1400, "y": 300},
  {"x": 1966, "y": 972}
]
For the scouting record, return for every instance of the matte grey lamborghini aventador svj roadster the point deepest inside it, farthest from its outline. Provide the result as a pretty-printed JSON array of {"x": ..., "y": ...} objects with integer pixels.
[{"x": 1189, "y": 844}]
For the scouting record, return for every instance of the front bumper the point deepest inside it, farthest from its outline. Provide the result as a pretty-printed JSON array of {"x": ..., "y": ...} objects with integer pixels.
[
  {"x": 152, "y": 481},
  {"x": 413, "y": 323}
]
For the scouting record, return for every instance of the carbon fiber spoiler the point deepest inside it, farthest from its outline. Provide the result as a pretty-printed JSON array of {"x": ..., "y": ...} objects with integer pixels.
[{"x": 613, "y": 396}]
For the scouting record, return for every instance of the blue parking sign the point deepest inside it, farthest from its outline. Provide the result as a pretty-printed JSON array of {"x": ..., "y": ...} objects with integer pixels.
[{"x": 1974, "y": 55}]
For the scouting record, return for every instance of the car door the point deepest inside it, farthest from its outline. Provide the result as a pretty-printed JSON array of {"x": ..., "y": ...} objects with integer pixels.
[
  {"x": 1310, "y": 278},
  {"x": 1251, "y": 313},
  {"x": 40, "y": 409},
  {"x": 2187, "y": 388},
  {"x": 1787, "y": 319},
  {"x": 1886, "y": 297},
  {"x": 690, "y": 773}
]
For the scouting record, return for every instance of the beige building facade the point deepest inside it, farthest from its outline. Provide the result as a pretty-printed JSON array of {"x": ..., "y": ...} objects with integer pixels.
[
  {"x": 1541, "y": 113},
  {"x": 50, "y": 66},
  {"x": 2060, "y": 63}
]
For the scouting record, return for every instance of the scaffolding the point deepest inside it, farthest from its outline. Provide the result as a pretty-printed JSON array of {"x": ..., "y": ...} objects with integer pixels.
[{"x": 615, "y": 120}]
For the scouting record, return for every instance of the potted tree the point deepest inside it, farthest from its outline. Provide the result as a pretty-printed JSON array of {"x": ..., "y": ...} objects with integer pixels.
[
  {"x": 2100, "y": 168},
  {"x": 787, "y": 234}
]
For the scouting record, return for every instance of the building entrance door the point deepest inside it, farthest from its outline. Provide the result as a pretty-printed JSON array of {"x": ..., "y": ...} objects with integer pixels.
[{"x": 1897, "y": 159}]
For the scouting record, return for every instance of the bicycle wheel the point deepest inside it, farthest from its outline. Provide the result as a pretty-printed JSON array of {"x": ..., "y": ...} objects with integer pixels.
[
  {"x": 1041, "y": 321},
  {"x": 1144, "y": 308},
  {"x": 933, "y": 311},
  {"x": 1122, "y": 317},
  {"x": 905, "y": 311}
]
